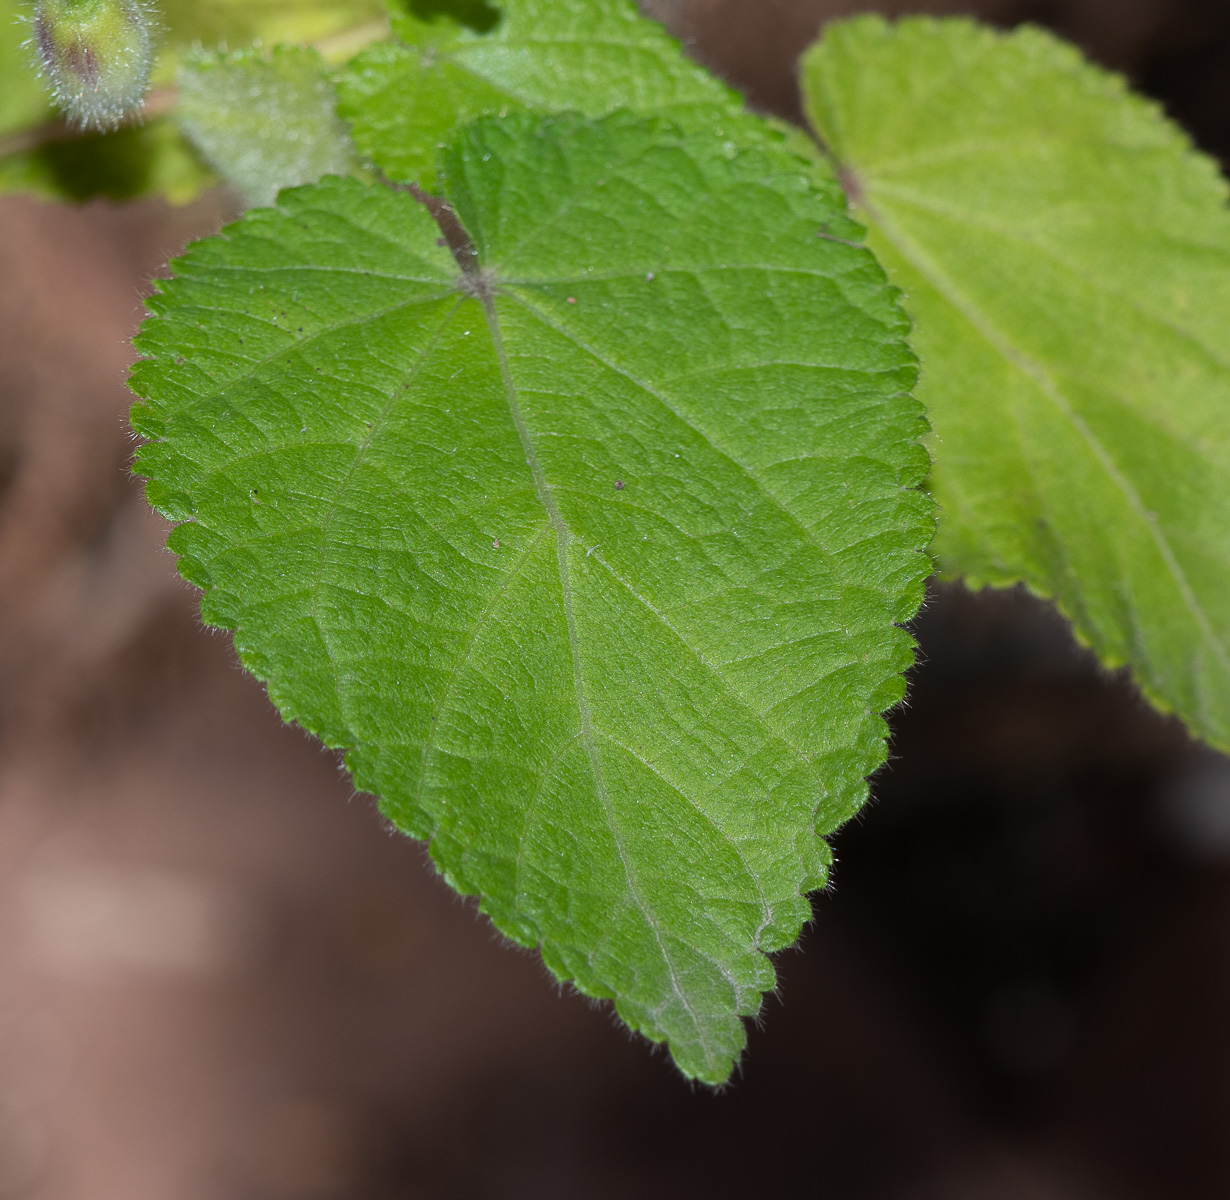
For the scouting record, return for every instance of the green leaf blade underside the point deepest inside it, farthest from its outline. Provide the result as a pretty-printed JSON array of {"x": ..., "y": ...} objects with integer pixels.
[
  {"x": 405, "y": 98},
  {"x": 1066, "y": 259},
  {"x": 625, "y": 716}
]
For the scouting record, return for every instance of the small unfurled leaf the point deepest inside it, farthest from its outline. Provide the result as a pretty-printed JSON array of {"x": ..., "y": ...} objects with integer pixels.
[
  {"x": 591, "y": 555},
  {"x": 1066, "y": 258},
  {"x": 263, "y": 122}
]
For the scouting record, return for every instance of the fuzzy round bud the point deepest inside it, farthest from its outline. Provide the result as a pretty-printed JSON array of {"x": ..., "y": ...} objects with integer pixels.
[{"x": 96, "y": 55}]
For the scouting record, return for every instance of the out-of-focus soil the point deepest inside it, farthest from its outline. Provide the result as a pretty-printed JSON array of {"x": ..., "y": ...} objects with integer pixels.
[{"x": 222, "y": 977}]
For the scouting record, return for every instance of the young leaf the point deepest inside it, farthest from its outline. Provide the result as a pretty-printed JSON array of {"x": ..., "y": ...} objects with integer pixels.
[
  {"x": 1066, "y": 257},
  {"x": 263, "y": 122},
  {"x": 404, "y": 99},
  {"x": 591, "y": 556}
]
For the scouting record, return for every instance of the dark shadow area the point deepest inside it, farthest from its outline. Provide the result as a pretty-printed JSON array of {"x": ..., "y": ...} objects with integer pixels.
[
  {"x": 1017, "y": 988},
  {"x": 119, "y": 165},
  {"x": 477, "y": 15}
]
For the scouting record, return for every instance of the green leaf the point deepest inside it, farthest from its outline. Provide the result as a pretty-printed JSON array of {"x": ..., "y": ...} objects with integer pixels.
[
  {"x": 1066, "y": 257},
  {"x": 263, "y": 122},
  {"x": 589, "y": 56},
  {"x": 592, "y": 559}
]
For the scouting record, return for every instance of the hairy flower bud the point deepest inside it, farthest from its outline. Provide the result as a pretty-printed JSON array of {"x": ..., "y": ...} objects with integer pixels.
[{"x": 96, "y": 55}]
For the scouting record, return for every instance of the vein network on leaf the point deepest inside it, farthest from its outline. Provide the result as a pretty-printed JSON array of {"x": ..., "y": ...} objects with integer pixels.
[{"x": 624, "y": 716}]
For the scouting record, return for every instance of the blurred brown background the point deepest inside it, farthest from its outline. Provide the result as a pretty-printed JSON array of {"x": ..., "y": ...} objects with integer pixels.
[{"x": 222, "y": 979}]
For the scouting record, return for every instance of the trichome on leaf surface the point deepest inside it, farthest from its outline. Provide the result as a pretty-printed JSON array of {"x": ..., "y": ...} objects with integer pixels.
[{"x": 560, "y": 458}]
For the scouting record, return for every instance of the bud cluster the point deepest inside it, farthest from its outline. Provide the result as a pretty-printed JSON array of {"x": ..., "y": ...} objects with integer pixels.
[{"x": 96, "y": 56}]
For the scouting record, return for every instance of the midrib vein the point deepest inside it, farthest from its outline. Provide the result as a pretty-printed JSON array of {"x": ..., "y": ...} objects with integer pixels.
[{"x": 563, "y": 539}]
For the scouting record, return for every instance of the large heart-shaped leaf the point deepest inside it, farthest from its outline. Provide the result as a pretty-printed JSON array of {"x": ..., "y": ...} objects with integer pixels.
[
  {"x": 1066, "y": 257},
  {"x": 592, "y": 556}
]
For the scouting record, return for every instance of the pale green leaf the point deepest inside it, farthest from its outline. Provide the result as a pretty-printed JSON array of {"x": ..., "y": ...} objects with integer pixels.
[
  {"x": 405, "y": 98},
  {"x": 593, "y": 561},
  {"x": 263, "y": 121},
  {"x": 1066, "y": 258}
]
